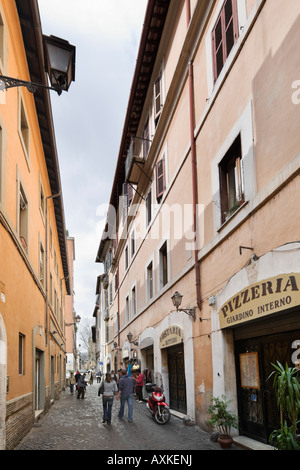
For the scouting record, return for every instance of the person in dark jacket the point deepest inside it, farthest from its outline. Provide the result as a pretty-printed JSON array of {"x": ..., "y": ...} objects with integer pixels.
[
  {"x": 126, "y": 388},
  {"x": 81, "y": 386}
]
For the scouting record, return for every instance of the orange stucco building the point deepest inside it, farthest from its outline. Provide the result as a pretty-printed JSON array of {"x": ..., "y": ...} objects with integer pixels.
[{"x": 33, "y": 252}]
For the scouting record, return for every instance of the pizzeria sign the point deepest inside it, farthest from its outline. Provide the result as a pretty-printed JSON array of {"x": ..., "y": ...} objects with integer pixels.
[{"x": 261, "y": 299}]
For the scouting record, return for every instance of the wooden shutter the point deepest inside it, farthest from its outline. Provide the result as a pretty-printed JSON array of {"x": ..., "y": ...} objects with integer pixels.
[
  {"x": 160, "y": 178},
  {"x": 157, "y": 98},
  {"x": 224, "y": 35},
  {"x": 125, "y": 200}
]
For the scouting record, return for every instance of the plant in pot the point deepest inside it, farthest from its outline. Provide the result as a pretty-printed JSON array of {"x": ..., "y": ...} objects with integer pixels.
[
  {"x": 287, "y": 390},
  {"x": 222, "y": 420}
]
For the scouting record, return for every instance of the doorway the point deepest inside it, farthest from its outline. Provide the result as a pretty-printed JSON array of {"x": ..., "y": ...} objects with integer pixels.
[
  {"x": 258, "y": 411},
  {"x": 52, "y": 386},
  {"x": 37, "y": 380},
  {"x": 177, "y": 385}
]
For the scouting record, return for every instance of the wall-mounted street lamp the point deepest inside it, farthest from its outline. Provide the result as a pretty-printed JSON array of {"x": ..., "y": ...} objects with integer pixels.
[
  {"x": 59, "y": 58},
  {"x": 77, "y": 320},
  {"x": 176, "y": 299},
  {"x": 129, "y": 337}
]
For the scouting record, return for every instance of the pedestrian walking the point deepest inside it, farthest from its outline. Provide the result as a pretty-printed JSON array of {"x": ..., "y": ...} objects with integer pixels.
[
  {"x": 91, "y": 380},
  {"x": 77, "y": 375},
  {"x": 98, "y": 376},
  {"x": 108, "y": 389},
  {"x": 126, "y": 388},
  {"x": 115, "y": 378},
  {"x": 129, "y": 367},
  {"x": 81, "y": 386},
  {"x": 139, "y": 382},
  {"x": 71, "y": 382}
]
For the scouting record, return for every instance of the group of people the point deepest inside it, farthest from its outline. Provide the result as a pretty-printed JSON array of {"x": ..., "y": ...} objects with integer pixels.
[
  {"x": 123, "y": 390},
  {"x": 121, "y": 386},
  {"x": 78, "y": 382}
]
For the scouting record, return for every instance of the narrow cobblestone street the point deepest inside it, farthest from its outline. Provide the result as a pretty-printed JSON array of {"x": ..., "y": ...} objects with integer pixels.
[{"x": 73, "y": 424}]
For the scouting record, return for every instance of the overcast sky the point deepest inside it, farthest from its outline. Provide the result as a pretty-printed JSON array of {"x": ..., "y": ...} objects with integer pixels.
[{"x": 89, "y": 119}]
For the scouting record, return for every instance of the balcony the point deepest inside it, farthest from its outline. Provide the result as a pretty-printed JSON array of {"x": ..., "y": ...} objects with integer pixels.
[{"x": 136, "y": 157}]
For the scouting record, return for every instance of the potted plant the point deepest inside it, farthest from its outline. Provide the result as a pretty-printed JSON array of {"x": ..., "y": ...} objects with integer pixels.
[
  {"x": 287, "y": 390},
  {"x": 222, "y": 420}
]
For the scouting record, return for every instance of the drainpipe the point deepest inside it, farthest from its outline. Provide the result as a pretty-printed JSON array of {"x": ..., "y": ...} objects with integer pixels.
[{"x": 194, "y": 166}]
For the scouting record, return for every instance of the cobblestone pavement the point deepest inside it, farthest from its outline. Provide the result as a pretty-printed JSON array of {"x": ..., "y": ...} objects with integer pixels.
[{"x": 73, "y": 424}]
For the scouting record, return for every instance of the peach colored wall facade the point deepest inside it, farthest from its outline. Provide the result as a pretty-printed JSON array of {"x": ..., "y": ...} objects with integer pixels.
[
  {"x": 251, "y": 97},
  {"x": 69, "y": 309}
]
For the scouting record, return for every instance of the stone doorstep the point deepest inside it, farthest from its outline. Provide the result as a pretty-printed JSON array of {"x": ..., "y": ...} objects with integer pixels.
[
  {"x": 178, "y": 414},
  {"x": 251, "y": 444},
  {"x": 241, "y": 441},
  {"x": 38, "y": 414}
]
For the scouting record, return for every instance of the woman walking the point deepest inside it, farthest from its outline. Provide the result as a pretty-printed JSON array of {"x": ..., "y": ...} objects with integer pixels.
[{"x": 108, "y": 389}]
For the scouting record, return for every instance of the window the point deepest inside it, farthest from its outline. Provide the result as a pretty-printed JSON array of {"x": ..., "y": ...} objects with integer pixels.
[
  {"x": 224, "y": 35},
  {"x": 157, "y": 100},
  {"x": 51, "y": 290},
  {"x": 23, "y": 218},
  {"x": 232, "y": 194},
  {"x": 148, "y": 207},
  {"x": 55, "y": 263},
  {"x": 163, "y": 264},
  {"x": 110, "y": 293},
  {"x": 24, "y": 129},
  {"x": 2, "y": 47},
  {"x": 51, "y": 240},
  {"x": 116, "y": 323},
  {"x": 133, "y": 301},
  {"x": 126, "y": 258},
  {"x": 42, "y": 265},
  {"x": 160, "y": 179},
  {"x": 127, "y": 198},
  {"x": 116, "y": 282},
  {"x": 42, "y": 200},
  {"x": 55, "y": 302},
  {"x": 146, "y": 140},
  {"x": 2, "y": 176},
  {"x": 127, "y": 309},
  {"x": 132, "y": 239},
  {"x": 21, "y": 353},
  {"x": 150, "y": 281}
]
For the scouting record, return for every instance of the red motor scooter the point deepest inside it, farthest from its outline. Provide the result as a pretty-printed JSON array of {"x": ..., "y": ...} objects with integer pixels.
[{"x": 156, "y": 404}]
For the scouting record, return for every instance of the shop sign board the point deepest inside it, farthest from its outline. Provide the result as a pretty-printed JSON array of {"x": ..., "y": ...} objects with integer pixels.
[
  {"x": 170, "y": 337},
  {"x": 261, "y": 299},
  {"x": 125, "y": 353}
]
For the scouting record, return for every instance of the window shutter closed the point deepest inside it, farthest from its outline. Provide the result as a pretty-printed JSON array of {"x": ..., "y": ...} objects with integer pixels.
[
  {"x": 157, "y": 96},
  {"x": 160, "y": 177}
]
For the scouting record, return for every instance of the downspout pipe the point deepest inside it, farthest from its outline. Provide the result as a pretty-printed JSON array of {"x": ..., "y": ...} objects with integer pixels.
[{"x": 194, "y": 167}]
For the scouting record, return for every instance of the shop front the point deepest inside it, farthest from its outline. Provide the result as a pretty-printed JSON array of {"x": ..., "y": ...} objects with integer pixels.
[
  {"x": 167, "y": 355},
  {"x": 171, "y": 346},
  {"x": 258, "y": 324}
]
